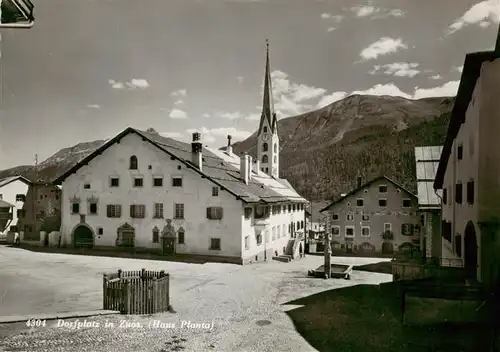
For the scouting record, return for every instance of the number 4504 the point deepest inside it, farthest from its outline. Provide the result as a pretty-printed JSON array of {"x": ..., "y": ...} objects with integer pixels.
[{"x": 35, "y": 323}]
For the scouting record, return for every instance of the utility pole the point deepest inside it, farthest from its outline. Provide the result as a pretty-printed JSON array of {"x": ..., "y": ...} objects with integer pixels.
[
  {"x": 34, "y": 197},
  {"x": 328, "y": 249}
]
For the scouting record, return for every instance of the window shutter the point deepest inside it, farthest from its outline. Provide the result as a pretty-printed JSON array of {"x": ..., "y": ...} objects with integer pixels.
[
  {"x": 208, "y": 212},
  {"x": 220, "y": 213},
  {"x": 132, "y": 211},
  {"x": 403, "y": 229}
]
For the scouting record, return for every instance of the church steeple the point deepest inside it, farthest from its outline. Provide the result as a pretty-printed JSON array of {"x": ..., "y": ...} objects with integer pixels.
[
  {"x": 267, "y": 136},
  {"x": 268, "y": 115}
]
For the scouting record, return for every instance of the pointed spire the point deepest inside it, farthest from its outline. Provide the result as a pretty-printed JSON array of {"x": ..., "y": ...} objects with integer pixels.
[
  {"x": 267, "y": 101},
  {"x": 497, "y": 44}
]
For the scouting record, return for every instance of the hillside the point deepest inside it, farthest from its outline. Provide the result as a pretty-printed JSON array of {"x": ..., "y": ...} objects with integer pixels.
[{"x": 324, "y": 150}]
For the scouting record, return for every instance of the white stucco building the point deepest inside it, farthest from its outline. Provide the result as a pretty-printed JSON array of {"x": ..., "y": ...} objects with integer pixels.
[
  {"x": 469, "y": 169},
  {"x": 144, "y": 190},
  {"x": 13, "y": 190}
]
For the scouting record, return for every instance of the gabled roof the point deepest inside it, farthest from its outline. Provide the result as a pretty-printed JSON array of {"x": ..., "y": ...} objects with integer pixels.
[
  {"x": 368, "y": 184},
  {"x": 427, "y": 160},
  {"x": 218, "y": 167},
  {"x": 7, "y": 180},
  {"x": 4, "y": 204},
  {"x": 470, "y": 74}
]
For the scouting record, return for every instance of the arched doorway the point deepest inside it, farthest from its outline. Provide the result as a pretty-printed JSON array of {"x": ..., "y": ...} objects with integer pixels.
[
  {"x": 387, "y": 248},
  {"x": 470, "y": 251},
  {"x": 83, "y": 236}
]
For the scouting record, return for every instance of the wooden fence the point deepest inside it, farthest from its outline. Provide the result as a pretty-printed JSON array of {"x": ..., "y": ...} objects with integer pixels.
[{"x": 136, "y": 292}]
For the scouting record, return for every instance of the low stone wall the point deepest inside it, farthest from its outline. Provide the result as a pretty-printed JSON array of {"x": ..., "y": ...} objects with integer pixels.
[{"x": 413, "y": 270}]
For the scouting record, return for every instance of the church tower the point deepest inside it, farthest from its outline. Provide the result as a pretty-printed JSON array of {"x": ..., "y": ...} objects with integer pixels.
[{"x": 268, "y": 143}]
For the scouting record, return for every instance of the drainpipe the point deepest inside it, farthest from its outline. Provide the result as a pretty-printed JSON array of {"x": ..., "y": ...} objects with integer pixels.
[{"x": 440, "y": 224}]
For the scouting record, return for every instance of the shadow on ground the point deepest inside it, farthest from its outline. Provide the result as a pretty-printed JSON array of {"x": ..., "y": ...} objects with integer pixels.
[
  {"x": 381, "y": 267},
  {"x": 132, "y": 253},
  {"x": 368, "y": 318}
]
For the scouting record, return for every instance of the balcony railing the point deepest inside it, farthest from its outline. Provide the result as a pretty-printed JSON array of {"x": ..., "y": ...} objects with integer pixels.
[{"x": 5, "y": 216}]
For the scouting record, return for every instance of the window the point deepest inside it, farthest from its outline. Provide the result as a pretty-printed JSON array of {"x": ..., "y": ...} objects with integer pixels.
[
  {"x": 215, "y": 244},
  {"x": 387, "y": 226},
  {"x": 181, "y": 236},
  {"x": 137, "y": 211},
  {"x": 350, "y": 217},
  {"x": 158, "y": 211},
  {"x": 382, "y": 202},
  {"x": 349, "y": 231},
  {"x": 157, "y": 181},
  {"x": 93, "y": 208},
  {"x": 133, "y": 163},
  {"x": 21, "y": 213},
  {"x": 247, "y": 242},
  {"x": 406, "y": 203},
  {"x": 335, "y": 216},
  {"x": 274, "y": 233},
  {"x": 156, "y": 235},
  {"x": 179, "y": 211},
  {"x": 301, "y": 224},
  {"x": 359, "y": 202},
  {"x": 258, "y": 239},
  {"x": 114, "y": 210},
  {"x": 407, "y": 229},
  {"x": 265, "y": 147},
  {"x": 1, "y": 196},
  {"x": 278, "y": 231},
  {"x": 265, "y": 160},
  {"x": 336, "y": 230},
  {"x": 445, "y": 196},
  {"x": 86, "y": 185},
  {"x": 248, "y": 213},
  {"x": 275, "y": 159},
  {"x": 470, "y": 192},
  {"x": 75, "y": 208},
  {"x": 138, "y": 182},
  {"x": 114, "y": 182},
  {"x": 265, "y": 129},
  {"x": 214, "y": 213},
  {"x": 382, "y": 189},
  {"x": 458, "y": 193},
  {"x": 100, "y": 231},
  {"x": 275, "y": 147},
  {"x": 365, "y": 231},
  {"x": 267, "y": 169},
  {"x": 20, "y": 198},
  {"x": 460, "y": 152},
  {"x": 177, "y": 182},
  {"x": 289, "y": 208},
  {"x": 294, "y": 207},
  {"x": 261, "y": 212},
  {"x": 215, "y": 191}
]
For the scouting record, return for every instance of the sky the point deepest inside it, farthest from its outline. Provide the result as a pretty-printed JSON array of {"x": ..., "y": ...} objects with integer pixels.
[{"x": 88, "y": 69}]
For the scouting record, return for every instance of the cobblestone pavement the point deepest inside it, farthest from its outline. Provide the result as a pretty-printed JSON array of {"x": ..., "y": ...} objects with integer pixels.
[{"x": 240, "y": 308}]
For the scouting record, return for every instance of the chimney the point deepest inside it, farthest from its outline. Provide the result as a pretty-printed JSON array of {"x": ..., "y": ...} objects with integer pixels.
[
  {"x": 256, "y": 166},
  {"x": 360, "y": 181},
  {"x": 244, "y": 168},
  {"x": 229, "y": 149},
  {"x": 249, "y": 167},
  {"x": 196, "y": 151}
]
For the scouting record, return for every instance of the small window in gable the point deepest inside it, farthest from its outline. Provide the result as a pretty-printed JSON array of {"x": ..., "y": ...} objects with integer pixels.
[
  {"x": 265, "y": 147},
  {"x": 215, "y": 191},
  {"x": 133, "y": 163},
  {"x": 265, "y": 159}
]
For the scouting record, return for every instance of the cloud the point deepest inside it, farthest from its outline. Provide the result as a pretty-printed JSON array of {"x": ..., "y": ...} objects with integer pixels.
[
  {"x": 253, "y": 117},
  {"x": 179, "y": 93},
  {"x": 93, "y": 106},
  {"x": 179, "y": 102},
  {"x": 398, "y": 69},
  {"x": 436, "y": 76},
  {"x": 330, "y": 98},
  {"x": 177, "y": 114},
  {"x": 206, "y": 115},
  {"x": 333, "y": 18},
  {"x": 447, "y": 89},
  {"x": 458, "y": 69},
  {"x": 214, "y": 135},
  {"x": 482, "y": 13},
  {"x": 376, "y": 12},
  {"x": 135, "y": 83},
  {"x": 330, "y": 29},
  {"x": 230, "y": 115},
  {"x": 383, "y": 46},
  {"x": 240, "y": 79}
]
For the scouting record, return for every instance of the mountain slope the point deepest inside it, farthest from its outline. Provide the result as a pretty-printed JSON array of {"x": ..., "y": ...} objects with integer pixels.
[{"x": 323, "y": 151}]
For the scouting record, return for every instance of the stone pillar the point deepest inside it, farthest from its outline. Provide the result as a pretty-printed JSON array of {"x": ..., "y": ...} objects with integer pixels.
[{"x": 328, "y": 253}]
